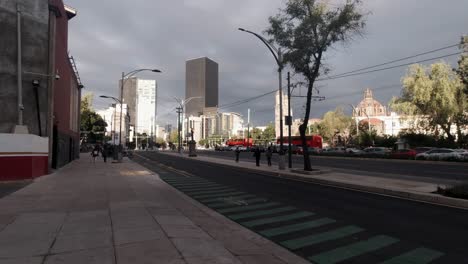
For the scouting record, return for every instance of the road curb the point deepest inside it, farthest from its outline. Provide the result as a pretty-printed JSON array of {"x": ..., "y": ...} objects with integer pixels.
[{"x": 403, "y": 194}]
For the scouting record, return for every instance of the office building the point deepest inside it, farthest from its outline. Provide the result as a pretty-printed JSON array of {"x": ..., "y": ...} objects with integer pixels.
[
  {"x": 141, "y": 97},
  {"x": 277, "y": 115},
  {"x": 201, "y": 82}
]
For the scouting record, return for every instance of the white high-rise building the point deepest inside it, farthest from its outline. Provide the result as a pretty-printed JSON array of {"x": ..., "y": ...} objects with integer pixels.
[
  {"x": 111, "y": 116},
  {"x": 277, "y": 114},
  {"x": 141, "y": 97}
]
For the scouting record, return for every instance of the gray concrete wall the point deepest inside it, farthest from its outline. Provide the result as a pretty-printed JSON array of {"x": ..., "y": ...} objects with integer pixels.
[{"x": 35, "y": 30}]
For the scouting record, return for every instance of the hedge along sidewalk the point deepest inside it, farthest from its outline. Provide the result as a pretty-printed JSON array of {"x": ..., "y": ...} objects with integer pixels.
[{"x": 400, "y": 188}]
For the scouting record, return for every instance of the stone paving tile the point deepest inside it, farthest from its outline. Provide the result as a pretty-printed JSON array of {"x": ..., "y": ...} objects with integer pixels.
[
  {"x": 283, "y": 254},
  {"x": 196, "y": 247},
  {"x": 25, "y": 247},
  {"x": 6, "y": 220},
  {"x": 132, "y": 235},
  {"x": 163, "y": 211},
  {"x": 131, "y": 220},
  {"x": 27, "y": 260},
  {"x": 21, "y": 231},
  {"x": 82, "y": 241},
  {"x": 91, "y": 256},
  {"x": 153, "y": 251},
  {"x": 84, "y": 227},
  {"x": 173, "y": 220},
  {"x": 213, "y": 260},
  {"x": 41, "y": 218},
  {"x": 175, "y": 231},
  {"x": 260, "y": 259}
]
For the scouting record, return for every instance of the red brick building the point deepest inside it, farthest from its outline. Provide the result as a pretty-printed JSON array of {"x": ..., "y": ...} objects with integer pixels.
[{"x": 38, "y": 59}]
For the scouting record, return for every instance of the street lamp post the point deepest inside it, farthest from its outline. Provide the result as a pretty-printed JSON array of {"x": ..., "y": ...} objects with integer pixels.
[
  {"x": 116, "y": 101},
  {"x": 182, "y": 103},
  {"x": 279, "y": 60},
  {"x": 127, "y": 76}
]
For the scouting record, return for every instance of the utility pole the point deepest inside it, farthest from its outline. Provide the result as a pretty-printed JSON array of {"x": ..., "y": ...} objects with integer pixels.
[
  {"x": 289, "y": 122},
  {"x": 248, "y": 127},
  {"x": 179, "y": 111}
]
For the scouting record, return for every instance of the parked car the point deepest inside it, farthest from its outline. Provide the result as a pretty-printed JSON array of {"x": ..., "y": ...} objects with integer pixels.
[
  {"x": 403, "y": 154},
  {"x": 422, "y": 149},
  {"x": 462, "y": 154},
  {"x": 438, "y": 154},
  {"x": 354, "y": 151},
  {"x": 377, "y": 152},
  {"x": 314, "y": 150},
  {"x": 335, "y": 150}
]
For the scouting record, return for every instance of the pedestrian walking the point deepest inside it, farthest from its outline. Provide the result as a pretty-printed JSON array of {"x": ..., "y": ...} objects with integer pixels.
[
  {"x": 257, "y": 155},
  {"x": 268, "y": 154},
  {"x": 95, "y": 153},
  {"x": 237, "y": 154},
  {"x": 105, "y": 152}
]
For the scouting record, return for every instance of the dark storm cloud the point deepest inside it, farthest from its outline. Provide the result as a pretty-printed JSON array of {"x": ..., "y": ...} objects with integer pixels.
[{"x": 108, "y": 37}]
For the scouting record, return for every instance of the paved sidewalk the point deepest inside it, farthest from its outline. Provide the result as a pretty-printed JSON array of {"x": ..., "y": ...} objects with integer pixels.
[
  {"x": 408, "y": 188},
  {"x": 120, "y": 213}
]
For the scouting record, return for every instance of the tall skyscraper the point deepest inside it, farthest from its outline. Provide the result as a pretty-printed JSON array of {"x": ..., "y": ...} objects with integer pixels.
[
  {"x": 201, "y": 80},
  {"x": 140, "y": 96}
]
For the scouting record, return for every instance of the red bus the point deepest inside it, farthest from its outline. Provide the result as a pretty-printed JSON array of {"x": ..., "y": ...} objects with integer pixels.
[
  {"x": 313, "y": 141},
  {"x": 240, "y": 142}
]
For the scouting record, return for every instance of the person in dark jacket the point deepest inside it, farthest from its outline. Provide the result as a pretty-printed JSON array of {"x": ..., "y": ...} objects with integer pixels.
[
  {"x": 268, "y": 154},
  {"x": 105, "y": 152},
  {"x": 237, "y": 154},
  {"x": 257, "y": 155}
]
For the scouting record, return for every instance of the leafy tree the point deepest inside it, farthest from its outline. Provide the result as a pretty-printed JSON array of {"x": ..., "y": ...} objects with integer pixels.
[
  {"x": 91, "y": 124},
  {"x": 463, "y": 63},
  {"x": 87, "y": 102},
  {"x": 269, "y": 133},
  {"x": 434, "y": 92},
  {"x": 305, "y": 30},
  {"x": 335, "y": 124},
  {"x": 173, "y": 137}
]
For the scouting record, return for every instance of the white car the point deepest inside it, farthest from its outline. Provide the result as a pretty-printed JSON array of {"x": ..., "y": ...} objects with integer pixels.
[
  {"x": 440, "y": 154},
  {"x": 354, "y": 151}
]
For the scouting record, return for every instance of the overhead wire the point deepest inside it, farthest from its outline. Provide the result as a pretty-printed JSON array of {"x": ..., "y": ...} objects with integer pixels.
[{"x": 396, "y": 60}]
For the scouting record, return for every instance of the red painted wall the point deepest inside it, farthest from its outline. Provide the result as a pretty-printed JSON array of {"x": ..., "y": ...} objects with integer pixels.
[
  {"x": 22, "y": 168},
  {"x": 67, "y": 81}
]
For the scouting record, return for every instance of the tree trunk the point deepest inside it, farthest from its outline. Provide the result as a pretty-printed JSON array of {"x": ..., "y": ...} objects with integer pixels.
[
  {"x": 303, "y": 127},
  {"x": 302, "y": 132}
]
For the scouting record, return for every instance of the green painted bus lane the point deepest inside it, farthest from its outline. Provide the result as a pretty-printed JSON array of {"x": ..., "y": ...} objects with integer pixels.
[
  {"x": 296, "y": 227},
  {"x": 341, "y": 232},
  {"x": 261, "y": 213},
  {"x": 277, "y": 219},
  {"x": 356, "y": 249},
  {"x": 248, "y": 207}
]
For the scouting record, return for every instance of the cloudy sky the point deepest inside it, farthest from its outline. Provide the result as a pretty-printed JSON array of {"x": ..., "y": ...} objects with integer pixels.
[{"x": 111, "y": 36}]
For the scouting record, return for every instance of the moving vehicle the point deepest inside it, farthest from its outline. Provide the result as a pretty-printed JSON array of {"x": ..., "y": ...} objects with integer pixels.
[
  {"x": 240, "y": 142},
  {"x": 313, "y": 141}
]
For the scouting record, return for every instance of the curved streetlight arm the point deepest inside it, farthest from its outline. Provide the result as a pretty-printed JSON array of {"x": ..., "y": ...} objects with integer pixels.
[
  {"x": 111, "y": 97},
  {"x": 273, "y": 50},
  {"x": 129, "y": 74}
]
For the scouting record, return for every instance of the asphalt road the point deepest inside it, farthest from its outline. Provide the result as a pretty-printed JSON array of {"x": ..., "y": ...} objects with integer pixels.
[
  {"x": 429, "y": 171},
  {"x": 322, "y": 224}
]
